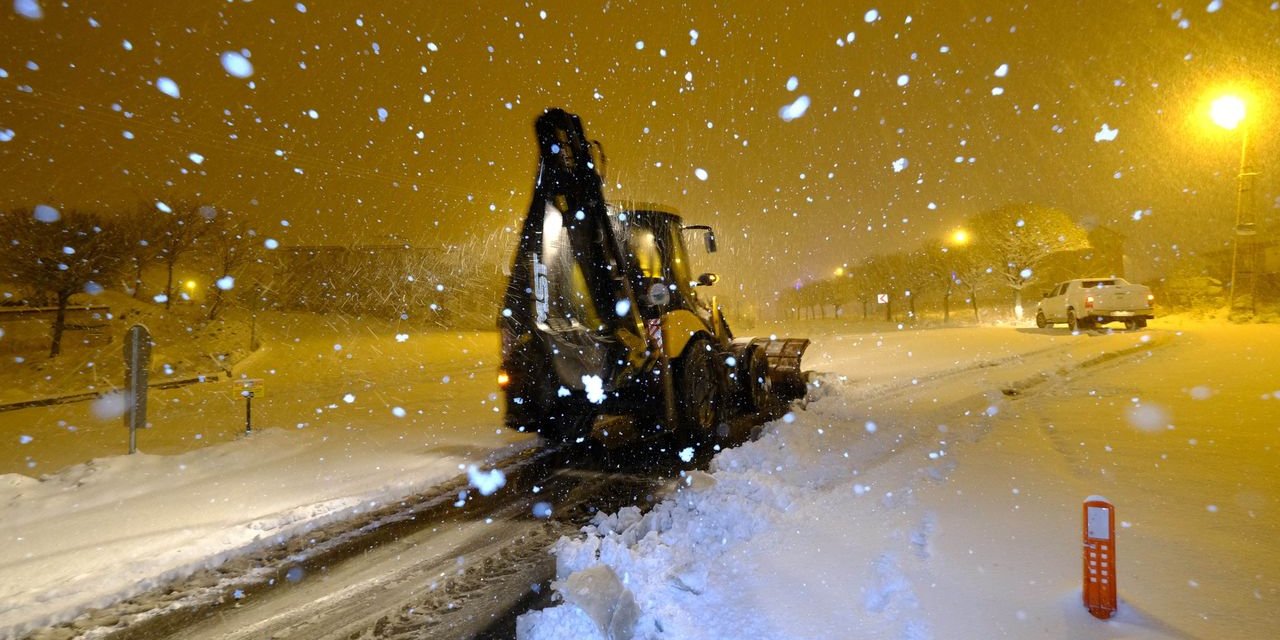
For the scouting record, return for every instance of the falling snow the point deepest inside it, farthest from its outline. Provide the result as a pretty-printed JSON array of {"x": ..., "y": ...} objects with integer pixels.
[
  {"x": 794, "y": 110},
  {"x": 168, "y": 87},
  {"x": 29, "y": 9},
  {"x": 236, "y": 64}
]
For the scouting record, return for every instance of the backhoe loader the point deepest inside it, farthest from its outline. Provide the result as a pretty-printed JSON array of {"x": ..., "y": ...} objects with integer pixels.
[{"x": 602, "y": 315}]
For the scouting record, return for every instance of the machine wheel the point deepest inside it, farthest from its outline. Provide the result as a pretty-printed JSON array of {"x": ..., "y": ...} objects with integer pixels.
[
  {"x": 1140, "y": 323},
  {"x": 1130, "y": 324},
  {"x": 1040, "y": 321},
  {"x": 698, "y": 393},
  {"x": 1073, "y": 323},
  {"x": 564, "y": 426},
  {"x": 758, "y": 385}
]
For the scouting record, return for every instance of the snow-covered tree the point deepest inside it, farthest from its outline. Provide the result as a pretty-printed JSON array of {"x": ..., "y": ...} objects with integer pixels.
[
  {"x": 1017, "y": 238},
  {"x": 961, "y": 268}
]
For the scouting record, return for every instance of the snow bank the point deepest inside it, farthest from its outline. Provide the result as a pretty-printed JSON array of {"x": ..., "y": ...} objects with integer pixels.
[
  {"x": 936, "y": 494},
  {"x": 680, "y": 560},
  {"x": 115, "y": 527}
]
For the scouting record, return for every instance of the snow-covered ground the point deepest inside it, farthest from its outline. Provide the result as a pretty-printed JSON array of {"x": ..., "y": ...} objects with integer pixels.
[
  {"x": 914, "y": 496},
  {"x": 354, "y": 416},
  {"x": 896, "y": 506}
]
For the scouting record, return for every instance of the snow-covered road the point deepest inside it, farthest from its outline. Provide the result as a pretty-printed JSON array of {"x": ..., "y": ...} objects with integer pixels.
[
  {"x": 930, "y": 488},
  {"x": 948, "y": 506}
]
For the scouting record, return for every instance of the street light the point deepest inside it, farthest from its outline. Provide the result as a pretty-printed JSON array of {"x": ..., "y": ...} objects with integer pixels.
[
  {"x": 955, "y": 240},
  {"x": 1229, "y": 112}
]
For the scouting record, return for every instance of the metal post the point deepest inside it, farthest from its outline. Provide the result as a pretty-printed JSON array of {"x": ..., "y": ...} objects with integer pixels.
[
  {"x": 137, "y": 362},
  {"x": 248, "y": 413},
  {"x": 1240, "y": 214}
]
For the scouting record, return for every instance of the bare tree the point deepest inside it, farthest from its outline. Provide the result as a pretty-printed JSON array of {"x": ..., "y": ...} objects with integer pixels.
[
  {"x": 180, "y": 231},
  {"x": 959, "y": 268},
  {"x": 62, "y": 254},
  {"x": 230, "y": 244},
  {"x": 917, "y": 277},
  {"x": 140, "y": 232},
  {"x": 1017, "y": 238},
  {"x": 863, "y": 282}
]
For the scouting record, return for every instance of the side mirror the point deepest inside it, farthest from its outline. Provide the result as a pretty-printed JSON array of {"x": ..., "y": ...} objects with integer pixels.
[
  {"x": 707, "y": 279},
  {"x": 709, "y": 237}
]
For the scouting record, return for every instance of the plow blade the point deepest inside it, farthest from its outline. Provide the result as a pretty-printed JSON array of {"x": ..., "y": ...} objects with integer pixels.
[{"x": 783, "y": 356}]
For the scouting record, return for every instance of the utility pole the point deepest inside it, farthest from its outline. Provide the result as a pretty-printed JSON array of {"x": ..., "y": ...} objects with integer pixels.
[{"x": 1245, "y": 231}]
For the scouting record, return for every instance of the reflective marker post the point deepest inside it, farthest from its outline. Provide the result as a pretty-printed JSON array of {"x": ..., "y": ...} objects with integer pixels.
[
  {"x": 137, "y": 364},
  {"x": 1099, "y": 557}
]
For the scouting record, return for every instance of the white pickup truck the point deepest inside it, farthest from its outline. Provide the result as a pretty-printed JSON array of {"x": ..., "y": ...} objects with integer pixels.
[{"x": 1085, "y": 303}]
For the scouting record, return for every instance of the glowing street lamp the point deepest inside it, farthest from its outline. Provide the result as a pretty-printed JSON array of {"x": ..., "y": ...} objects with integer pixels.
[
  {"x": 1229, "y": 112},
  {"x": 958, "y": 238}
]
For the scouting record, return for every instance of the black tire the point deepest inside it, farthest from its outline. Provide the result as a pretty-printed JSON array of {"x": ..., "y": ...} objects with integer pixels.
[
  {"x": 698, "y": 393},
  {"x": 1040, "y": 320},
  {"x": 566, "y": 426},
  {"x": 1073, "y": 323},
  {"x": 556, "y": 419},
  {"x": 758, "y": 388},
  {"x": 1140, "y": 323},
  {"x": 1130, "y": 324}
]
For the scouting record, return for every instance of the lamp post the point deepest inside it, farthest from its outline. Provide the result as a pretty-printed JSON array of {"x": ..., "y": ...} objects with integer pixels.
[
  {"x": 1229, "y": 112},
  {"x": 955, "y": 241}
]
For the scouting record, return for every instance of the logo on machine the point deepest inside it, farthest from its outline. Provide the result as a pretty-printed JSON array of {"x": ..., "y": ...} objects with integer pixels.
[{"x": 540, "y": 290}]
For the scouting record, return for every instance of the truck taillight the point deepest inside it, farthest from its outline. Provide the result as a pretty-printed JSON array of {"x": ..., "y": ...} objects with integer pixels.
[
  {"x": 1088, "y": 302},
  {"x": 1151, "y": 299},
  {"x": 503, "y": 379}
]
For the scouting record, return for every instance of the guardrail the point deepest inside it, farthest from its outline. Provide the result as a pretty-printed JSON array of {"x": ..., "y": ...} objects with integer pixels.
[
  {"x": 26, "y": 313},
  {"x": 94, "y": 395}
]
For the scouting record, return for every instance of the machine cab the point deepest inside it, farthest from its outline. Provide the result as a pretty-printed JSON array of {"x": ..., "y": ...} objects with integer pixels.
[{"x": 655, "y": 242}]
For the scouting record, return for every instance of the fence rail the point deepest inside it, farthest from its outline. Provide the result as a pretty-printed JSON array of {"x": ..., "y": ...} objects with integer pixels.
[{"x": 27, "y": 313}]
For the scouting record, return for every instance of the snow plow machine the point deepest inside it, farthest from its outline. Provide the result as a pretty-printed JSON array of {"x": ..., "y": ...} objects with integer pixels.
[{"x": 603, "y": 317}]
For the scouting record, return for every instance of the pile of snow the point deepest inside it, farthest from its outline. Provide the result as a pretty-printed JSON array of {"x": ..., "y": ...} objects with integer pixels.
[
  {"x": 680, "y": 561},
  {"x": 893, "y": 507}
]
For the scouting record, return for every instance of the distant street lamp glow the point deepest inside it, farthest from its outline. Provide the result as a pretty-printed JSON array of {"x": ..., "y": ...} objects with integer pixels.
[
  {"x": 959, "y": 238},
  {"x": 191, "y": 285},
  {"x": 839, "y": 271},
  {"x": 1228, "y": 111}
]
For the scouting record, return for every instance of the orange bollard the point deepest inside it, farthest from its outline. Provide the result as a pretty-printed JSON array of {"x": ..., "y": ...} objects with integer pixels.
[{"x": 1099, "y": 557}]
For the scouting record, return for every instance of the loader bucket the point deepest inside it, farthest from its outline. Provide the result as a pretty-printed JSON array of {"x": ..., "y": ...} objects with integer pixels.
[{"x": 783, "y": 356}]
